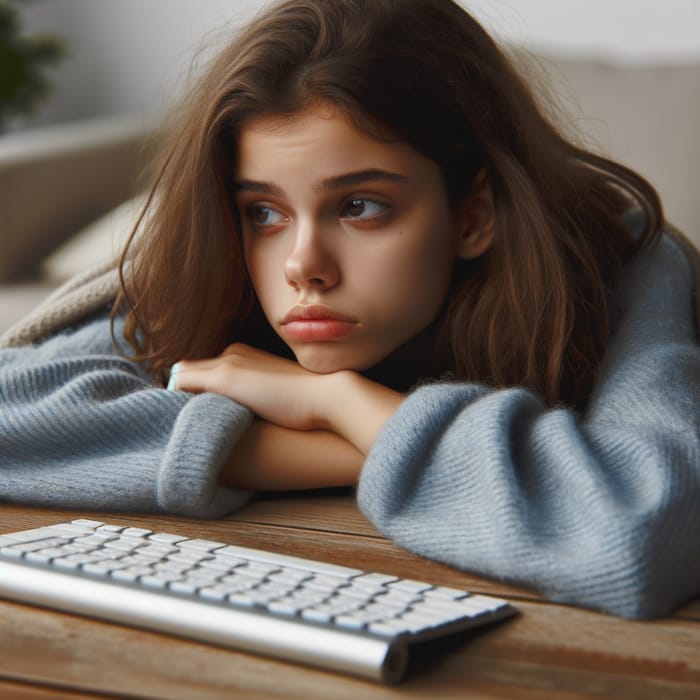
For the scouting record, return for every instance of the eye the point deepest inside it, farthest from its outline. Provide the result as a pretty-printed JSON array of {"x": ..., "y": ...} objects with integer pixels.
[
  {"x": 359, "y": 208},
  {"x": 262, "y": 215}
]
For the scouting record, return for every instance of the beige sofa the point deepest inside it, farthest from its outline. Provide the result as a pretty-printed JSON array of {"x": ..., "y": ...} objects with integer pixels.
[{"x": 56, "y": 183}]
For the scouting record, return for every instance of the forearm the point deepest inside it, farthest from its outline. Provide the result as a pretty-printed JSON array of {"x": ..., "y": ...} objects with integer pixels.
[
  {"x": 269, "y": 458},
  {"x": 359, "y": 408}
]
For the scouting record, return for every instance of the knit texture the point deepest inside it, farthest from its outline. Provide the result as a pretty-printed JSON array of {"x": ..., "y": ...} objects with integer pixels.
[
  {"x": 81, "y": 427},
  {"x": 84, "y": 295},
  {"x": 599, "y": 509}
]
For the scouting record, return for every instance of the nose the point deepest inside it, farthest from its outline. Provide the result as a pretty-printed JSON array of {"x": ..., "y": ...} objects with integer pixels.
[{"x": 312, "y": 264}]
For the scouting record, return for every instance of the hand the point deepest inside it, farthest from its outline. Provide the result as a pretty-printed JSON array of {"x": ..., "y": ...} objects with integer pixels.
[
  {"x": 275, "y": 389},
  {"x": 282, "y": 392}
]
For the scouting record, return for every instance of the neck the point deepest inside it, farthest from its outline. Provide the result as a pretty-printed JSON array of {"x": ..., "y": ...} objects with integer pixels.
[{"x": 413, "y": 361}]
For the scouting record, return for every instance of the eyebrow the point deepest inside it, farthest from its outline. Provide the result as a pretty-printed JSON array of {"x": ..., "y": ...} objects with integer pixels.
[{"x": 360, "y": 177}]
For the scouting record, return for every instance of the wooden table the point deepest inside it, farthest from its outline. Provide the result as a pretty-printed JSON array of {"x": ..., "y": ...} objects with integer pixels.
[{"x": 549, "y": 651}]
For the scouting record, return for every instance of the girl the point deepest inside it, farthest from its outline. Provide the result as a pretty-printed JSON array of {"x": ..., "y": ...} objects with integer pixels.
[{"x": 372, "y": 260}]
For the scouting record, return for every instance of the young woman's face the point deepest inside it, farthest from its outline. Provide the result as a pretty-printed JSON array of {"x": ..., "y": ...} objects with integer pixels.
[{"x": 349, "y": 241}]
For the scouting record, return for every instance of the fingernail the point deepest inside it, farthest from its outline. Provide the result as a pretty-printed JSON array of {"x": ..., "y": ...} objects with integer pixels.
[{"x": 173, "y": 371}]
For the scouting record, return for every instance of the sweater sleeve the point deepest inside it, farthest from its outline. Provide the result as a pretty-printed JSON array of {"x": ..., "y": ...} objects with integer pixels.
[
  {"x": 81, "y": 427},
  {"x": 599, "y": 510}
]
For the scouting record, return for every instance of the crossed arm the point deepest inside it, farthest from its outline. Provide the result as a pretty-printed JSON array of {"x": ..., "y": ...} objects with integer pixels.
[{"x": 311, "y": 430}]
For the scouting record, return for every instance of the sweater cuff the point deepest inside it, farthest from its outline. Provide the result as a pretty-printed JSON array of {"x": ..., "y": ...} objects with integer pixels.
[{"x": 188, "y": 482}]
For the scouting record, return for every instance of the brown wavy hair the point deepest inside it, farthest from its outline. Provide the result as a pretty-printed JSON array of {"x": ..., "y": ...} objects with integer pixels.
[{"x": 532, "y": 311}]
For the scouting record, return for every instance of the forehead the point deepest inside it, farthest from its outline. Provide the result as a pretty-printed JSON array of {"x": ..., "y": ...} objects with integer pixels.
[{"x": 321, "y": 138}]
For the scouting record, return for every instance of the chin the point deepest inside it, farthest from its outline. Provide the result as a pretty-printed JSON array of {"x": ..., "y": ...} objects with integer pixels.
[{"x": 325, "y": 360}]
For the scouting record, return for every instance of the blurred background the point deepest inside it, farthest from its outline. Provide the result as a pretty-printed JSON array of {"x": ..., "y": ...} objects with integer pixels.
[
  {"x": 626, "y": 72},
  {"x": 133, "y": 55}
]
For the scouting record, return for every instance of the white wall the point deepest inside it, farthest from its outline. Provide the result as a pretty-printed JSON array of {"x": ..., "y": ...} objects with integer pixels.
[
  {"x": 127, "y": 55},
  {"x": 131, "y": 55},
  {"x": 630, "y": 31},
  {"x": 134, "y": 55}
]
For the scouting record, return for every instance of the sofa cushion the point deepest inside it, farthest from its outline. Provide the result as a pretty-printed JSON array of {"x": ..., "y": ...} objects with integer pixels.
[{"x": 98, "y": 242}]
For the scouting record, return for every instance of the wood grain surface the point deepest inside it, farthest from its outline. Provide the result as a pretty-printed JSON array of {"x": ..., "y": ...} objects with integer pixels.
[{"x": 548, "y": 651}]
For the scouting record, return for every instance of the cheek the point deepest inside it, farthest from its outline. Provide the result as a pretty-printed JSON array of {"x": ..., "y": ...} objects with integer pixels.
[
  {"x": 262, "y": 265},
  {"x": 422, "y": 285},
  {"x": 405, "y": 282},
  {"x": 423, "y": 260}
]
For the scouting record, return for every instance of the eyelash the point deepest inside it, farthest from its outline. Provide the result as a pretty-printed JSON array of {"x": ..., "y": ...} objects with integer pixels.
[
  {"x": 365, "y": 200},
  {"x": 253, "y": 209}
]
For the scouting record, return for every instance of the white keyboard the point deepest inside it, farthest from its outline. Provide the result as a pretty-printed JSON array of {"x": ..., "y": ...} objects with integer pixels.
[{"x": 300, "y": 610}]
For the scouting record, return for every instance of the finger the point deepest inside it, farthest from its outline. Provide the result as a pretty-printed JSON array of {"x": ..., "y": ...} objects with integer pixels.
[
  {"x": 198, "y": 377},
  {"x": 175, "y": 375},
  {"x": 186, "y": 371},
  {"x": 229, "y": 354}
]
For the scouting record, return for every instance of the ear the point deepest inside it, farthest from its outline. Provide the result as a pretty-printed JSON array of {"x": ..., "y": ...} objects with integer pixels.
[{"x": 475, "y": 220}]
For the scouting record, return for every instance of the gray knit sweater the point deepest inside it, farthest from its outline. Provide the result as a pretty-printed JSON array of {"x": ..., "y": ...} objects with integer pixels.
[{"x": 599, "y": 510}]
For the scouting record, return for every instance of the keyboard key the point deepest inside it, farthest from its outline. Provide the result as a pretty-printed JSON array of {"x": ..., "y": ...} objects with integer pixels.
[
  {"x": 102, "y": 567},
  {"x": 183, "y": 586},
  {"x": 126, "y": 544},
  {"x": 201, "y": 545},
  {"x": 349, "y": 622},
  {"x": 255, "y": 568},
  {"x": 156, "y": 580},
  {"x": 487, "y": 602},
  {"x": 445, "y": 593},
  {"x": 317, "y": 614},
  {"x": 375, "y": 578},
  {"x": 136, "y": 532},
  {"x": 214, "y": 593},
  {"x": 324, "y": 582},
  {"x": 165, "y": 538},
  {"x": 307, "y": 599},
  {"x": 410, "y": 586},
  {"x": 387, "y": 628},
  {"x": 132, "y": 573},
  {"x": 221, "y": 563},
  {"x": 89, "y": 524},
  {"x": 285, "y": 606},
  {"x": 244, "y": 600},
  {"x": 289, "y": 576}
]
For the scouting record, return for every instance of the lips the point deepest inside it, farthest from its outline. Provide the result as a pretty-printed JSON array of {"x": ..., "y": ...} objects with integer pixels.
[
  {"x": 309, "y": 323},
  {"x": 314, "y": 313}
]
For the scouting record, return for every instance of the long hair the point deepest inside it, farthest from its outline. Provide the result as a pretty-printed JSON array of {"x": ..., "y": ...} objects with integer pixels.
[{"x": 532, "y": 311}]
